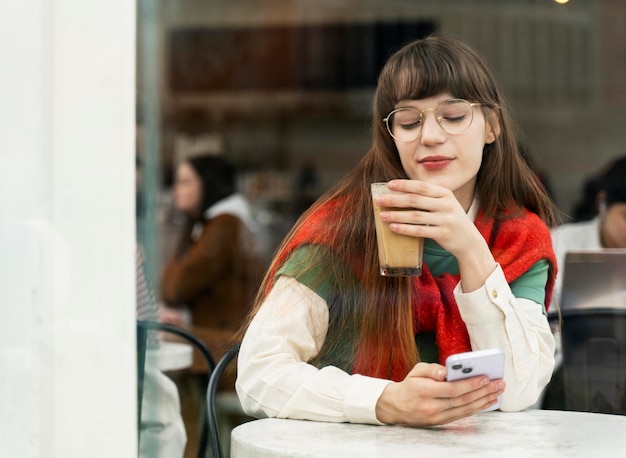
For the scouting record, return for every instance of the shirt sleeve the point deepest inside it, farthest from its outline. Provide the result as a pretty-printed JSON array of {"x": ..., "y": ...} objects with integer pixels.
[
  {"x": 274, "y": 378},
  {"x": 495, "y": 318}
]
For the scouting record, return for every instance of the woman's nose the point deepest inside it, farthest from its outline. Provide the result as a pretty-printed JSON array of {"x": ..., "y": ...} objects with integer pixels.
[{"x": 431, "y": 131}]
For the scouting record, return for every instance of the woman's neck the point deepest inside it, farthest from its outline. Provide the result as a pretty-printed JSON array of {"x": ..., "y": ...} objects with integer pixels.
[{"x": 465, "y": 197}]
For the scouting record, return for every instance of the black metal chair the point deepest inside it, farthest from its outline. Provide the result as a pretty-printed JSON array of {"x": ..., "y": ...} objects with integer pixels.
[
  {"x": 142, "y": 342},
  {"x": 143, "y": 326},
  {"x": 594, "y": 360},
  {"x": 214, "y": 379}
]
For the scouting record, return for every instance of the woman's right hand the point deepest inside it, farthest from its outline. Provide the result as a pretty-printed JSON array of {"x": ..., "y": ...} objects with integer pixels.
[
  {"x": 432, "y": 211},
  {"x": 425, "y": 398}
]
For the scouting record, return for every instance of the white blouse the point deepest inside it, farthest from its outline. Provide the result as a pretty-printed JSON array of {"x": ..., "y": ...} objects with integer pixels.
[{"x": 275, "y": 380}]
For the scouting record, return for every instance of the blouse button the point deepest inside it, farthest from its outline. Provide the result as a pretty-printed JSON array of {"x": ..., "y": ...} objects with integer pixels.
[{"x": 494, "y": 293}]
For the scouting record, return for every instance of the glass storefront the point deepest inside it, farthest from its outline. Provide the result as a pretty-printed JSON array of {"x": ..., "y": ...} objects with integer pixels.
[{"x": 283, "y": 88}]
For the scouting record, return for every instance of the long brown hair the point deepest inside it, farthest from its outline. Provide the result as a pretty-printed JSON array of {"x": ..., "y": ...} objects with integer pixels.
[{"x": 381, "y": 307}]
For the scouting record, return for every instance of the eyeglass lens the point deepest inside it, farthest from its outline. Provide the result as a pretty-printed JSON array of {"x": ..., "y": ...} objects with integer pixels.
[{"x": 454, "y": 116}]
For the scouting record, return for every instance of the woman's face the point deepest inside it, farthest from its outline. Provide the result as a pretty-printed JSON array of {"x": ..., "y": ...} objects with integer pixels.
[
  {"x": 613, "y": 228},
  {"x": 187, "y": 190},
  {"x": 448, "y": 160}
]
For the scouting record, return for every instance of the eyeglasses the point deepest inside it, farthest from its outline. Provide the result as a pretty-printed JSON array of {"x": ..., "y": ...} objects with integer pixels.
[{"x": 453, "y": 115}]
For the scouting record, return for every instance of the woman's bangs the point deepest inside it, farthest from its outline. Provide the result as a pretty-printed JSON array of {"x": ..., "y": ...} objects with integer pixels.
[{"x": 420, "y": 77}]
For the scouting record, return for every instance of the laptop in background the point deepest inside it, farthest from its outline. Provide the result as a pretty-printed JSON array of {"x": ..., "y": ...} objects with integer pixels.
[{"x": 594, "y": 280}]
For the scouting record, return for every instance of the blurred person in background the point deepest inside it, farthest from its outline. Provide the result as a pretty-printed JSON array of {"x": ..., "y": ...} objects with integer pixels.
[
  {"x": 599, "y": 223},
  {"x": 601, "y": 217},
  {"x": 216, "y": 268}
]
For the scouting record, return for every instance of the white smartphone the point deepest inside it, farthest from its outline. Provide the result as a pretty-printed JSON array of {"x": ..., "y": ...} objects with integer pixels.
[{"x": 480, "y": 362}]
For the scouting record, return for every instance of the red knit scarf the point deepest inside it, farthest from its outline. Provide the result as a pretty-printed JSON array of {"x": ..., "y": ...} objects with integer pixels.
[{"x": 520, "y": 242}]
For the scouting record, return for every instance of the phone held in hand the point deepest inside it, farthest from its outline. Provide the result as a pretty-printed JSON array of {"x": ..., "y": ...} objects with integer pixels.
[{"x": 473, "y": 363}]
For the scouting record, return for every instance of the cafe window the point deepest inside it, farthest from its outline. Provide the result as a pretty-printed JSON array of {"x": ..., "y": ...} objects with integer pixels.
[{"x": 283, "y": 90}]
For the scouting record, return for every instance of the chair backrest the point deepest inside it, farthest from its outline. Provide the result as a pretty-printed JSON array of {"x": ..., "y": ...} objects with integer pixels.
[
  {"x": 594, "y": 360},
  {"x": 142, "y": 342},
  {"x": 143, "y": 326},
  {"x": 214, "y": 379}
]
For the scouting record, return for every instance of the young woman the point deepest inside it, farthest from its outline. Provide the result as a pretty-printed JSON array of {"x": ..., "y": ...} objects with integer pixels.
[
  {"x": 216, "y": 268},
  {"x": 330, "y": 339}
]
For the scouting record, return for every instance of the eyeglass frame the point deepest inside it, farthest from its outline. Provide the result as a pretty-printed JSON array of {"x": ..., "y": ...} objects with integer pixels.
[{"x": 471, "y": 104}]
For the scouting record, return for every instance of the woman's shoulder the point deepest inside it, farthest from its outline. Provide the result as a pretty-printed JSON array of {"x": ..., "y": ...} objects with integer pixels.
[
  {"x": 519, "y": 224},
  {"x": 530, "y": 227},
  {"x": 223, "y": 230},
  {"x": 225, "y": 219},
  {"x": 318, "y": 268},
  {"x": 528, "y": 221}
]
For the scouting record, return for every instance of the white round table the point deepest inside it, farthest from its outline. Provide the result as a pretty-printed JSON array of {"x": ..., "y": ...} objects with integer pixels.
[
  {"x": 532, "y": 433},
  {"x": 172, "y": 356}
]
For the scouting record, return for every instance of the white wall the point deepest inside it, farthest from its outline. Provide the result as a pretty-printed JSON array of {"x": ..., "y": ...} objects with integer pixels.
[{"x": 67, "y": 342}]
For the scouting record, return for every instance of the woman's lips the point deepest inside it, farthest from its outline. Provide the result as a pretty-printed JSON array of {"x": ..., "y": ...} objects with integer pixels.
[{"x": 435, "y": 162}]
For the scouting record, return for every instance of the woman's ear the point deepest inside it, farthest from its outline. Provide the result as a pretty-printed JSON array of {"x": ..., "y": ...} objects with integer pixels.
[{"x": 492, "y": 127}]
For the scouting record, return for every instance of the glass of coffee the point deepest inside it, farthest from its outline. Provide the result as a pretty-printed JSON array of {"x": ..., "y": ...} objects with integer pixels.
[{"x": 399, "y": 255}]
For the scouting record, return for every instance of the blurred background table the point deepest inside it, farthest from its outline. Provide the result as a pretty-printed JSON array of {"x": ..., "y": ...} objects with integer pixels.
[
  {"x": 531, "y": 433},
  {"x": 173, "y": 356}
]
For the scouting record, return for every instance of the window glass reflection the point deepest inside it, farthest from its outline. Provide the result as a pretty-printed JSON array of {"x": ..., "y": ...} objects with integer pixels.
[{"x": 282, "y": 89}]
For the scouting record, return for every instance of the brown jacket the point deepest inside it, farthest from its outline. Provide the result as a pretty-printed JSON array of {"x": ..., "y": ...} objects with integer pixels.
[{"x": 217, "y": 274}]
